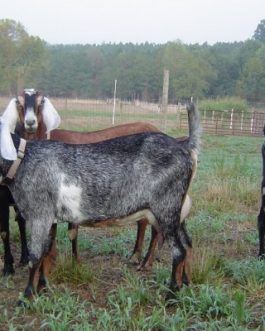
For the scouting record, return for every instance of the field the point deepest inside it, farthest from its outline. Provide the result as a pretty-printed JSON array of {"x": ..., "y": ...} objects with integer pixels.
[{"x": 105, "y": 292}]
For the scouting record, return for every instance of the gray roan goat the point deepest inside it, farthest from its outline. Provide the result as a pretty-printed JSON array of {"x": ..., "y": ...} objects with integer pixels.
[{"x": 124, "y": 179}]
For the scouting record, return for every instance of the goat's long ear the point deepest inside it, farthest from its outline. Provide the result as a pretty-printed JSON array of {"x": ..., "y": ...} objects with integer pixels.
[
  {"x": 50, "y": 116},
  {"x": 8, "y": 150},
  {"x": 10, "y": 115}
]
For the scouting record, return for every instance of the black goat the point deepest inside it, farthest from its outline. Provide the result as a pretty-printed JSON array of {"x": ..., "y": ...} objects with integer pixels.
[
  {"x": 124, "y": 179},
  {"x": 30, "y": 115}
]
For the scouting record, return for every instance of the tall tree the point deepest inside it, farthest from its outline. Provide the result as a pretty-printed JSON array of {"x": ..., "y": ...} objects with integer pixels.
[
  {"x": 252, "y": 82},
  {"x": 259, "y": 33},
  {"x": 21, "y": 56}
]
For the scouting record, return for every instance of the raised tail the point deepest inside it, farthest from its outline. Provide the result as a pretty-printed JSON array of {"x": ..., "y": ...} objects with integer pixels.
[{"x": 194, "y": 126}]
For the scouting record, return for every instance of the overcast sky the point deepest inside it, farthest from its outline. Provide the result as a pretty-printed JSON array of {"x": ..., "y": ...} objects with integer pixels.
[{"x": 136, "y": 21}]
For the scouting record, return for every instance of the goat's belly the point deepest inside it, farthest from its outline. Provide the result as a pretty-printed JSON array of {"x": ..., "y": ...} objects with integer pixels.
[{"x": 126, "y": 220}]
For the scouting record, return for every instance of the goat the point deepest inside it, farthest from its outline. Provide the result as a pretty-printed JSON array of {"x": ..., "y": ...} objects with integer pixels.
[
  {"x": 261, "y": 215},
  {"x": 31, "y": 116},
  {"x": 73, "y": 137},
  {"x": 20, "y": 112},
  {"x": 125, "y": 179}
]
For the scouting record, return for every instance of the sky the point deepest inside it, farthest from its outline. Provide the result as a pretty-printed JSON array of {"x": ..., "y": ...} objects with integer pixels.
[{"x": 136, "y": 21}]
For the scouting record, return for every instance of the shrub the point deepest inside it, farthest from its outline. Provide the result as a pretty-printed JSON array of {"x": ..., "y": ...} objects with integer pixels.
[{"x": 223, "y": 104}]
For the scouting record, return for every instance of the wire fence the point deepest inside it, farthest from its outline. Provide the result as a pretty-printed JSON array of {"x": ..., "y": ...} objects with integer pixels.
[{"x": 91, "y": 115}]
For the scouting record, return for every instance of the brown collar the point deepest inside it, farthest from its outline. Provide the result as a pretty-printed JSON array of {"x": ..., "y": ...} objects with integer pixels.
[{"x": 14, "y": 167}]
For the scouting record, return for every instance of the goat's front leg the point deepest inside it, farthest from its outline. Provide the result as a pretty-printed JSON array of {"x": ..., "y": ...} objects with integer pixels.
[
  {"x": 5, "y": 235},
  {"x": 48, "y": 260},
  {"x": 41, "y": 230},
  {"x": 24, "y": 258},
  {"x": 138, "y": 247},
  {"x": 33, "y": 280}
]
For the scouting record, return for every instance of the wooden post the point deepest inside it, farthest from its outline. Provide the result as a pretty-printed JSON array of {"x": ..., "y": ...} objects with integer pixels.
[
  {"x": 165, "y": 97},
  {"x": 231, "y": 119},
  {"x": 114, "y": 102},
  {"x": 242, "y": 120}
]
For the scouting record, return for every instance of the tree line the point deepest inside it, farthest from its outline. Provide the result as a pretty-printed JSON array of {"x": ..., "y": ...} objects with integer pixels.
[{"x": 89, "y": 71}]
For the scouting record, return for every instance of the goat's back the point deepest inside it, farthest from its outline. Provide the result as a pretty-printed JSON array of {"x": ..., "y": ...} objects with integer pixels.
[{"x": 74, "y": 137}]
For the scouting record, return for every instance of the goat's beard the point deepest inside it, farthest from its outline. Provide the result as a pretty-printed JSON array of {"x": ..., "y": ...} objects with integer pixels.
[{"x": 31, "y": 130}]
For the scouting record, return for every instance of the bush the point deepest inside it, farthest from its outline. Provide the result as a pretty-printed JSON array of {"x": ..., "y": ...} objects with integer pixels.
[{"x": 228, "y": 103}]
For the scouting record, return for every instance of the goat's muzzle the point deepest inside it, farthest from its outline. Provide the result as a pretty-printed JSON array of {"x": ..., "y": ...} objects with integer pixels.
[{"x": 31, "y": 126}]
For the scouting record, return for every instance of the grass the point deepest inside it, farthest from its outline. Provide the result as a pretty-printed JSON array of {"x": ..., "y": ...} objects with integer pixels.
[{"x": 105, "y": 292}]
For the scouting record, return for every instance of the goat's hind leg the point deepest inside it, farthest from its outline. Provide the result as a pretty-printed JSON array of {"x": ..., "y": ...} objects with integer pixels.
[
  {"x": 24, "y": 258},
  {"x": 178, "y": 258},
  {"x": 138, "y": 247},
  {"x": 187, "y": 243},
  {"x": 73, "y": 234},
  {"x": 150, "y": 255}
]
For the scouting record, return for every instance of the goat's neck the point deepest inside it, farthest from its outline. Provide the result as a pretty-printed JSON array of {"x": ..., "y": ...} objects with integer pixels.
[
  {"x": 6, "y": 164},
  {"x": 38, "y": 135}
]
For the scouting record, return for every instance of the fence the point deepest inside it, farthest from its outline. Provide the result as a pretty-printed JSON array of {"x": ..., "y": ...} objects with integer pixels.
[
  {"x": 89, "y": 115},
  {"x": 230, "y": 122}
]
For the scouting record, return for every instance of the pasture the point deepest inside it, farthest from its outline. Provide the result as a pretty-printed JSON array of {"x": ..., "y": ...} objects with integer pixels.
[{"x": 105, "y": 292}]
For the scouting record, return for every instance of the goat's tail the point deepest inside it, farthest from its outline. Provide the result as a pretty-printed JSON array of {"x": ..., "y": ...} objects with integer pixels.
[{"x": 194, "y": 126}]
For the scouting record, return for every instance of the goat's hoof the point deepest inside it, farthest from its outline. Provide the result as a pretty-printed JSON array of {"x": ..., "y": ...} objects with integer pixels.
[
  {"x": 144, "y": 267},
  {"x": 170, "y": 297},
  {"x": 22, "y": 303},
  {"x": 172, "y": 292},
  {"x": 135, "y": 259},
  {"x": 42, "y": 286},
  {"x": 262, "y": 256},
  {"x": 23, "y": 261},
  {"x": 8, "y": 270},
  {"x": 185, "y": 280}
]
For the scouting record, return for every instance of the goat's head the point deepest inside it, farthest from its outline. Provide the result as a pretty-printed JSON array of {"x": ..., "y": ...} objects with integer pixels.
[
  {"x": 30, "y": 110},
  {"x": 29, "y": 107}
]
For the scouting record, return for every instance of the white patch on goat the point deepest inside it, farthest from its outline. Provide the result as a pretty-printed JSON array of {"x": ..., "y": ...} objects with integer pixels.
[
  {"x": 70, "y": 199},
  {"x": 30, "y": 117},
  {"x": 263, "y": 190}
]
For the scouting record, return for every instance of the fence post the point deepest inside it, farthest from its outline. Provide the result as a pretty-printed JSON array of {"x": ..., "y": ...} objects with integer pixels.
[
  {"x": 114, "y": 102},
  {"x": 231, "y": 119},
  {"x": 222, "y": 119},
  {"x": 252, "y": 122},
  {"x": 242, "y": 119},
  {"x": 165, "y": 97}
]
